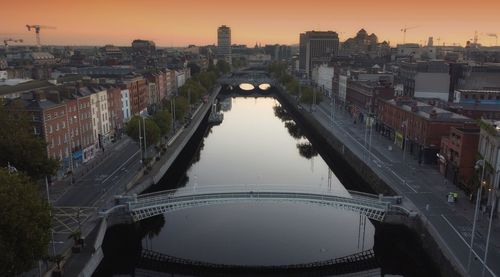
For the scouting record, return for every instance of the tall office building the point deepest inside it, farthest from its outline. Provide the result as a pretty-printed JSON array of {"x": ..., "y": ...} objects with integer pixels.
[
  {"x": 317, "y": 47},
  {"x": 224, "y": 43}
]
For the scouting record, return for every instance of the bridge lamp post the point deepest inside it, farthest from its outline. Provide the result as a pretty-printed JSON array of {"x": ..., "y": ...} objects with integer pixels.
[{"x": 480, "y": 163}]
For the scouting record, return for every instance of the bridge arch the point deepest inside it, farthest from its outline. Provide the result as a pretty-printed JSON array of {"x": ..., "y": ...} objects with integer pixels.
[{"x": 149, "y": 205}]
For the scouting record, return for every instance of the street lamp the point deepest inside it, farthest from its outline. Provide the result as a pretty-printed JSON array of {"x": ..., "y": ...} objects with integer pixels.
[
  {"x": 489, "y": 224},
  {"x": 480, "y": 163}
]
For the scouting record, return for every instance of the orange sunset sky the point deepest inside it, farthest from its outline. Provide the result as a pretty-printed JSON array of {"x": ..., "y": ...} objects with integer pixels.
[{"x": 183, "y": 22}]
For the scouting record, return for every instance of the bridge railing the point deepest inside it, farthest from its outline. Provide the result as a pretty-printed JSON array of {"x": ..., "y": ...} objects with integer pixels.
[
  {"x": 202, "y": 189},
  {"x": 145, "y": 203}
]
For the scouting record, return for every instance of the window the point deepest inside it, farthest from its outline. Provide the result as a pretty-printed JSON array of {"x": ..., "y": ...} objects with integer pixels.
[
  {"x": 57, "y": 126},
  {"x": 63, "y": 125},
  {"x": 50, "y": 129}
]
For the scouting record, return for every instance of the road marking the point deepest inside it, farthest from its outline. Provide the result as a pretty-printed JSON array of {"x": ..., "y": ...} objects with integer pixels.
[
  {"x": 402, "y": 180},
  {"x": 462, "y": 238},
  {"x": 104, "y": 181}
]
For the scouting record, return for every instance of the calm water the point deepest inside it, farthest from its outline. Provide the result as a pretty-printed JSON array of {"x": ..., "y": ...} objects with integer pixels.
[{"x": 257, "y": 143}]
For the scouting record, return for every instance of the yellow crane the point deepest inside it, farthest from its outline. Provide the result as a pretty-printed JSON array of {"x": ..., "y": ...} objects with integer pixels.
[
  {"x": 404, "y": 32},
  {"x": 37, "y": 29}
]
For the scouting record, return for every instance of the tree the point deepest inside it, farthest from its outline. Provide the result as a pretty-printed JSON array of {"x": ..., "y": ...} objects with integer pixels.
[
  {"x": 163, "y": 120},
  {"x": 207, "y": 79},
  {"x": 181, "y": 108},
  {"x": 308, "y": 94},
  {"x": 292, "y": 87},
  {"x": 25, "y": 224},
  {"x": 222, "y": 66},
  {"x": 152, "y": 130},
  {"x": 195, "y": 69},
  {"x": 20, "y": 147},
  {"x": 192, "y": 90}
]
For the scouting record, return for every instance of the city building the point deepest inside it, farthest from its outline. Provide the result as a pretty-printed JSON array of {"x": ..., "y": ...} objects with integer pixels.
[
  {"x": 457, "y": 156},
  {"x": 18, "y": 88},
  {"x": 425, "y": 79},
  {"x": 224, "y": 43},
  {"x": 417, "y": 126},
  {"x": 101, "y": 126},
  {"x": 324, "y": 77},
  {"x": 489, "y": 150},
  {"x": 278, "y": 52},
  {"x": 316, "y": 48},
  {"x": 144, "y": 54},
  {"x": 125, "y": 104},
  {"x": 362, "y": 96},
  {"x": 115, "y": 110},
  {"x": 136, "y": 85}
]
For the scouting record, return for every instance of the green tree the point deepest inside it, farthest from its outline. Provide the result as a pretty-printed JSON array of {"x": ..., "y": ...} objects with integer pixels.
[
  {"x": 181, "y": 108},
  {"x": 163, "y": 120},
  {"x": 308, "y": 94},
  {"x": 277, "y": 69},
  {"x": 192, "y": 90},
  {"x": 152, "y": 130},
  {"x": 20, "y": 147},
  {"x": 24, "y": 225},
  {"x": 292, "y": 87},
  {"x": 207, "y": 79},
  {"x": 222, "y": 66},
  {"x": 195, "y": 69}
]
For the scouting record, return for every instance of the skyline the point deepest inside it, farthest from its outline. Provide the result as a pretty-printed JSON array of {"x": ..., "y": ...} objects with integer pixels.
[{"x": 179, "y": 23}]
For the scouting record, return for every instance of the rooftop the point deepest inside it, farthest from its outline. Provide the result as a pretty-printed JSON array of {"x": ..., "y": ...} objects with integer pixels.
[
  {"x": 26, "y": 86},
  {"x": 427, "y": 111}
]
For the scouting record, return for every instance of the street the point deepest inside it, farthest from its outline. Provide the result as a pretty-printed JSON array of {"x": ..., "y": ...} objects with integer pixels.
[{"x": 423, "y": 186}]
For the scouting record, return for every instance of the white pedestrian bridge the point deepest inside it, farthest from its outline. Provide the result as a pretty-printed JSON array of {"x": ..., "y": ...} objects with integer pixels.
[{"x": 151, "y": 204}]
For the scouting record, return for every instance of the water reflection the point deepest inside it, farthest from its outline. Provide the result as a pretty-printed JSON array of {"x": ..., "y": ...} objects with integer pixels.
[
  {"x": 258, "y": 143},
  {"x": 306, "y": 150}
]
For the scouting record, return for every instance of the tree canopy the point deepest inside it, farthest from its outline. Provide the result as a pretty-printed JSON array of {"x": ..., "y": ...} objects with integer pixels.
[
  {"x": 152, "y": 130},
  {"x": 192, "y": 90},
  {"x": 20, "y": 147},
  {"x": 163, "y": 120},
  {"x": 222, "y": 66},
  {"x": 25, "y": 224}
]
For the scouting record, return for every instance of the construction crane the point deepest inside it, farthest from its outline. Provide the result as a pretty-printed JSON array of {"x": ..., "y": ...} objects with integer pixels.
[
  {"x": 6, "y": 42},
  {"x": 37, "y": 31},
  {"x": 404, "y": 32},
  {"x": 495, "y": 36}
]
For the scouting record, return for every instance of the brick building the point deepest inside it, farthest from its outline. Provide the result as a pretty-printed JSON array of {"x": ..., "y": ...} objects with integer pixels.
[
  {"x": 137, "y": 88},
  {"x": 457, "y": 155},
  {"x": 362, "y": 96},
  {"x": 418, "y": 125},
  {"x": 115, "y": 110}
]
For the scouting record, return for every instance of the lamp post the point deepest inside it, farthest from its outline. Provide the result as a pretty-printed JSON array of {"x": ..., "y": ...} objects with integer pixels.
[
  {"x": 478, "y": 202},
  {"x": 489, "y": 232},
  {"x": 493, "y": 203},
  {"x": 140, "y": 141},
  {"x": 144, "y": 130},
  {"x": 50, "y": 214}
]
